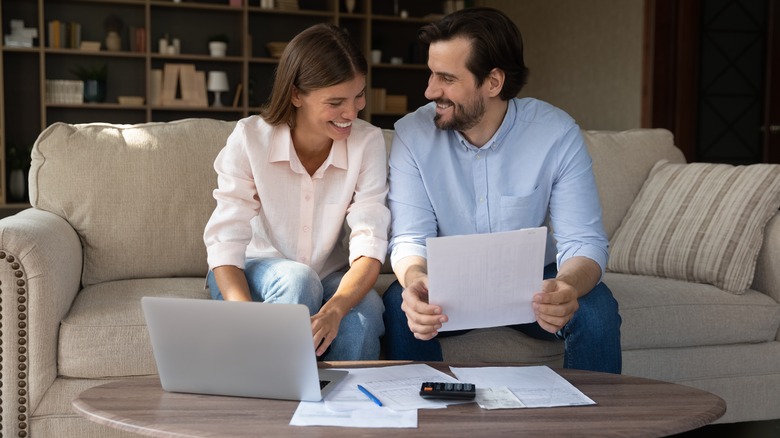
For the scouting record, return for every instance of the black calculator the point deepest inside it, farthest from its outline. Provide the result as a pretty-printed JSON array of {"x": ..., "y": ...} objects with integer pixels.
[{"x": 442, "y": 390}]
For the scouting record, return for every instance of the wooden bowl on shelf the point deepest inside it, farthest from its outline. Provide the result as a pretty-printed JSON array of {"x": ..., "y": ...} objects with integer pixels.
[{"x": 275, "y": 48}]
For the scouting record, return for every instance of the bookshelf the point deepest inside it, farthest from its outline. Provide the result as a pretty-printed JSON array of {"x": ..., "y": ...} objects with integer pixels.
[{"x": 249, "y": 26}]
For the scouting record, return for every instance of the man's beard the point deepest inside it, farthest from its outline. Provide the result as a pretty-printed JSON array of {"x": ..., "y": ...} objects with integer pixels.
[{"x": 463, "y": 117}]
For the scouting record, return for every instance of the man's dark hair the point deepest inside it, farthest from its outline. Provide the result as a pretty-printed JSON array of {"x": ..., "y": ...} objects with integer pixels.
[{"x": 495, "y": 43}]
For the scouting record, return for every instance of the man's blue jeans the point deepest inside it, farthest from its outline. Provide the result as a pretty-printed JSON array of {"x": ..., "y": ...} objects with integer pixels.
[
  {"x": 591, "y": 338},
  {"x": 274, "y": 280}
]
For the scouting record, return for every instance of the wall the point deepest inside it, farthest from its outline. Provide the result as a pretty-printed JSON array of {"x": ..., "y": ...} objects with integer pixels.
[{"x": 585, "y": 56}]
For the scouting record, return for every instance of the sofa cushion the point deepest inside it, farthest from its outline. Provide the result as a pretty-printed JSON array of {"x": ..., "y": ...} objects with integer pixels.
[
  {"x": 621, "y": 163},
  {"x": 667, "y": 313},
  {"x": 104, "y": 334},
  {"x": 698, "y": 222},
  {"x": 138, "y": 196},
  {"x": 501, "y": 344}
]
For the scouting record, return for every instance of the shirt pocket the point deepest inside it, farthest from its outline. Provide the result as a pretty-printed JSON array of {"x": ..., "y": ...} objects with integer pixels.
[{"x": 522, "y": 211}]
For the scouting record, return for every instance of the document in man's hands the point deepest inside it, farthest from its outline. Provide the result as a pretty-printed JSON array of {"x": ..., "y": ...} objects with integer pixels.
[{"x": 486, "y": 280}]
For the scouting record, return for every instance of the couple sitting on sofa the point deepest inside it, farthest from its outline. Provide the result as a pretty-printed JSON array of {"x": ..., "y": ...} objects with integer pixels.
[{"x": 474, "y": 160}]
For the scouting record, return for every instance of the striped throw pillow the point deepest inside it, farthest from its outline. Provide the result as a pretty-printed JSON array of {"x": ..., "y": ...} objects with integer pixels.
[{"x": 698, "y": 222}]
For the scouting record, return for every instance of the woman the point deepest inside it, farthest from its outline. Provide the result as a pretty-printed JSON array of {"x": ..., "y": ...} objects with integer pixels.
[{"x": 288, "y": 179}]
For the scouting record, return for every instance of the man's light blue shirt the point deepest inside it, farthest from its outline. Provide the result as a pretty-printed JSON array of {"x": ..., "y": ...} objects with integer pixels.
[{"x": 534, "y": 165}]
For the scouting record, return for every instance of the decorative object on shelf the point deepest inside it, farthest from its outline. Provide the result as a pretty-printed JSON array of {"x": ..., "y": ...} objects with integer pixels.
[
  {"x": 95, "y": 79},
  {"x": 275, "y": 48},
  {"x": 286, "y": 5},
  {"x": 20, "y": 36},
  {"x": 350, "y": 5},
  {"x": 377, "y": 45},
  {"x": 396, "y": 60},
  {"x": 218, "y": 45},
  {"x": 266, "y": 4},
  {"x": 113, "y": 25},
  {"x": 130, "y": 100},
  {"x": 90, "y": 46},
  {"x": 217, "y": 83},
  {"x": 376, "y": 56},
  {"x": 18, "y": 166},
  {"x": 183, "y": 78}
]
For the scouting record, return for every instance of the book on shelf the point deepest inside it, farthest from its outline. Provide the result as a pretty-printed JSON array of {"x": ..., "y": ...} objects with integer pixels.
[
  {"x": 155, "y": 86},
  {"x": 378, "y": 97},
  {"x": 237, "y": 96},
  {"x": 63, "y": 35},
  {"x": 136, "y": 36}
]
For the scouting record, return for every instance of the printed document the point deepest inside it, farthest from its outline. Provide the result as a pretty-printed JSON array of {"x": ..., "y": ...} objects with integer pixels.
[
  {"x": 534, "y": 386},
  {"x": 396, "y": 387},
  {"x": 486, "y": 280}
]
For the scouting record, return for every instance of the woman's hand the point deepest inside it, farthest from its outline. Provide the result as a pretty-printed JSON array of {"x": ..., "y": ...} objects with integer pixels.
[{"x": 325, "y": 328}]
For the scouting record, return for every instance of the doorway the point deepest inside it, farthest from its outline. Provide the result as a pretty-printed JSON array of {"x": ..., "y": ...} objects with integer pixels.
[{"x": 712, "y": 77}]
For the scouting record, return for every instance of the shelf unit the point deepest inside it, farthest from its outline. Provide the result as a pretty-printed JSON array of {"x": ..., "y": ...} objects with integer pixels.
[{"x": 24, "y": 111}]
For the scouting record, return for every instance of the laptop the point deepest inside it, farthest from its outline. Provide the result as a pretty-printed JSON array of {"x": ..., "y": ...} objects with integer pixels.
[{"x": 261, "y": 350}]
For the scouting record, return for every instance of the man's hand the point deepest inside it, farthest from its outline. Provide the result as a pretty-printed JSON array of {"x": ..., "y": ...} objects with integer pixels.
[
  {"x": 555, "y": 305},
  {"x": 424, "y": 319},
  {"x": 324, "y": 329}
]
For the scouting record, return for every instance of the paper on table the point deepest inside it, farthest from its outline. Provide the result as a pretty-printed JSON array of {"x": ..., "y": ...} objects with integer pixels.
[
  {"x": 318, "y": 414},
  {"x": 486, "y": 280},
  {"x": 536, "y": 386},
  {"x": 398, "y": 387},
  {"x": 497, "y": 398}
]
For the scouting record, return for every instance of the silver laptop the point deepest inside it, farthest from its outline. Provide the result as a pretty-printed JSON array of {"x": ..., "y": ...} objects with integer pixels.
[{"x": 262, "y": 350}]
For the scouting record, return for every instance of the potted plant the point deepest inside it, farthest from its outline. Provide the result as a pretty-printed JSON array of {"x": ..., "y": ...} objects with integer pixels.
[
  {"x": 19, "y": 159},
  {"x": 95, "y": 78},
  {"x": 218, "y": 45}
]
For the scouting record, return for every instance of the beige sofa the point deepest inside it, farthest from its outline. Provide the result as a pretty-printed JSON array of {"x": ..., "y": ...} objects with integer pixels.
[{"x": 118, "y": 213}]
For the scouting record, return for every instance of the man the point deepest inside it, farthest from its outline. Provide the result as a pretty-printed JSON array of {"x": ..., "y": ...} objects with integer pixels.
[{"x": 479, "y": 160}]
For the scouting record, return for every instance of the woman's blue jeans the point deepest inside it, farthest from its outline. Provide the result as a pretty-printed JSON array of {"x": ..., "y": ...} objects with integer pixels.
[
  {"x": 274, "y": 280},
  {"x": 591, "y": 338}
]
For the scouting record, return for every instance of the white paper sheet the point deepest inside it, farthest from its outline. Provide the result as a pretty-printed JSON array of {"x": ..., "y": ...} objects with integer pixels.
[
  {"x": 397, "y": 387},
  {"x": 318, "y": 414},
  {"x": 497, "y": 398},
  {"x": 486, "y": 280},
  {"x": 535, "y": 387}
]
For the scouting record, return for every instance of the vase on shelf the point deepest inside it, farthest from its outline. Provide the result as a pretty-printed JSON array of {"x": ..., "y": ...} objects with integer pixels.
[
  {"x": 217, "y": 49},
  {"x": 113, "y": 41},
  {"x": 350, "y": 4},
  {"x": 94, "y": 90}
]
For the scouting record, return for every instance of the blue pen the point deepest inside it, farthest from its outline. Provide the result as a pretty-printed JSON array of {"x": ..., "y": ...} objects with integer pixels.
[{"x": 369, "y": 395}]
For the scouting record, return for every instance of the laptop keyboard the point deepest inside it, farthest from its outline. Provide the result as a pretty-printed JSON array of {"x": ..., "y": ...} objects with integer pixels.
[{"x": 324, "y": 383}]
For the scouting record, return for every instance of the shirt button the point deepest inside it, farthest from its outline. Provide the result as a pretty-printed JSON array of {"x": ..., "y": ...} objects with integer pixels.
[
  {"x": 307, "y": 197},
  {"x": 481, "y": 199},
  {"x": 479, "y": 156},
  {"x": 306, "y": 228}
]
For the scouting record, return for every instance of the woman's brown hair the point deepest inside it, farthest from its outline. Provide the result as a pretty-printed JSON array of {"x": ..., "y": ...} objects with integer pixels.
[{"x": 321, "y": 56}]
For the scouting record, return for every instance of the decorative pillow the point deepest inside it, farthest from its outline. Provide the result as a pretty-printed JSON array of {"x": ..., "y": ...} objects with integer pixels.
[{"x": 698, "y": 222}]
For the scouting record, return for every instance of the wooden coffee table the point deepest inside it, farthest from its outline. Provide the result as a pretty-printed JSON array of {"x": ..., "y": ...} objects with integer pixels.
[{"x": 625, "y": 406}]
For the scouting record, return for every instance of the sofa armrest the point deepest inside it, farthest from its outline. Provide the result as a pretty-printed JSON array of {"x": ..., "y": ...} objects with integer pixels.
[
  {"x": 40, "y": 271},
  {"x": 767, "y": 276}
]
